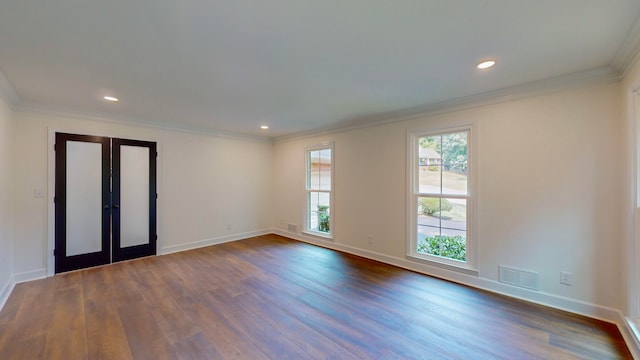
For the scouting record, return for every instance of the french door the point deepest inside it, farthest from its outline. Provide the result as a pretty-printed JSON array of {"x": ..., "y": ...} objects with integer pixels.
[{"x": 105, "y": 200}]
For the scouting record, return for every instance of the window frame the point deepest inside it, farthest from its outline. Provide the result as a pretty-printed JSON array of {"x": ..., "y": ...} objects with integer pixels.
[
  {"x": 307, "y": 190},
  {"x": 413, "y": 193}
]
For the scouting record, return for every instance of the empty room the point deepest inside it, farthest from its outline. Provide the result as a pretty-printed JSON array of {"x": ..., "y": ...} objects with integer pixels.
[{"x": 320, "y": 179}]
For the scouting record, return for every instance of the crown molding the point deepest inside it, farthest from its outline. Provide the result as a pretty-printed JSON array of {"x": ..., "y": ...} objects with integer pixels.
[
  {"x": 629, "y": 52},
  {"x": 99, "y": 117},
  {"x": 601, "y": 75},
  {"x": 7, "y": 92}
]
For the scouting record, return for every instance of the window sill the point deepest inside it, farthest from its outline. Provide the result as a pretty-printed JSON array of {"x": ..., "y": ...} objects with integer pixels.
[
  {"x": 317, "y": 234},
  {"x": 451, "y": 265}
]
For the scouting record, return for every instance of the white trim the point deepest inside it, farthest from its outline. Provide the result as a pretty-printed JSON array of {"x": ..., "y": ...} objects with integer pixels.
[
  {"x": 597, "y": 76},
  {"x": 629, "y": 51},
  {"x": 558, "y": 302},
  {"x": 30, "y": 275},
  {"x": 8, "y": 92},
  {"x": 318, "y": 234},
  {"x": 625, "y": 325},
  {"x": 632, "y": 256},
  {"x": 630, "y": 334},
  {"x": 305, "y": 221},
  {"x": 413, "y": 193},
  {"x": 212, "y": 241},
  {"x": 51, "y": 209},
  {"x": 44, "y": 273},
  {"x": 6, "y": 291},
  {"x": 15, "y": 279},
  {"x": 99, "y": 117},
  {"x": 601, "y": 75}
]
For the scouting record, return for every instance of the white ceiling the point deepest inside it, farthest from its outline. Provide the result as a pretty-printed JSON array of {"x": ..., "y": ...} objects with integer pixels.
[{"x": 296, "y": 65}]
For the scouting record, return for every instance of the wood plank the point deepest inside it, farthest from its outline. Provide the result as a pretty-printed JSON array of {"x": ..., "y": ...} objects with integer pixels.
[
  {"x": 106, "y": 338},
  {"x": 228, "y": 342},
  {"x": 66, "y": 335},
  {"x": 270, "y": 297}
]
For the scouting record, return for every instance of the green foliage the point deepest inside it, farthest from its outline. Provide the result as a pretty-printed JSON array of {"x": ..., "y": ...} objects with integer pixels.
[
  {"x": 452, "y": 147},
  {"x": 454, "y": 151},
  {"x": 323, "y": 218},
  {"x": 434, "y": 206},
  {"x": 452, "y": 247}
]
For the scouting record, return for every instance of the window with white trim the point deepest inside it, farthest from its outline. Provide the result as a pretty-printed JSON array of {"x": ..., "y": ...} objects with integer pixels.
[
  {"x": 441, "y": 202},
  {"x": 319, "y": 184}
]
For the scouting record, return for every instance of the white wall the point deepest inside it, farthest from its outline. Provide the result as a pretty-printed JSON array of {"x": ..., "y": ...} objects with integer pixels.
[
  {"x": 6, "y": 218},
  {"x": 550, "y": 190},
  {"x": 631, "y": 88},
  {"x": 211, "y": 188}
]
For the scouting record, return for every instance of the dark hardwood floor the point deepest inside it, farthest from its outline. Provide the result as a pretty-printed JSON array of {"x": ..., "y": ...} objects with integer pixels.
[{"x": 269, "y": 297}]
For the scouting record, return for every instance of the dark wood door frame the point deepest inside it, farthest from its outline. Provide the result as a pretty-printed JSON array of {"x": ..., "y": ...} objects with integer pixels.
[
  {"x": 111, "y": 250},
  {"x": 74, "y": 262},
  {"x": 132, "y": 252}
]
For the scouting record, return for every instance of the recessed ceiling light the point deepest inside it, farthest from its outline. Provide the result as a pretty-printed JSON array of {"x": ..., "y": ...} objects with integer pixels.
[
  {"x": 111, "y": 98},
  {"x": 264, "y": 127},
  {"x": 486, "y": 64}
]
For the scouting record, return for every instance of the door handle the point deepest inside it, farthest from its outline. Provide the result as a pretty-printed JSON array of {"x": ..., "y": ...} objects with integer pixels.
[
  {"x": 116, "y": 206},
  {"x": 106, "y": 207}
]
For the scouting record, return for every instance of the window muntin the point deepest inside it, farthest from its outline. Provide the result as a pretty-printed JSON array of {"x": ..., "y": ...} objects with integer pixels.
[
  {"x": 441, "y": 197},
  {"x": 319, "y": 166}
]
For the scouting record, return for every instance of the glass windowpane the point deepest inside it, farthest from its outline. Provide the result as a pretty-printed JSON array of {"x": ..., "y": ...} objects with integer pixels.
[
  {"x": 319, "y": 172},
  {"x": 454, "y": 151},
  {"x": 319, "y": 211},
  {"x": 442, "y": 164},
  {"x": 442, "y": 227},
  {"x": 429, "y": 165}
]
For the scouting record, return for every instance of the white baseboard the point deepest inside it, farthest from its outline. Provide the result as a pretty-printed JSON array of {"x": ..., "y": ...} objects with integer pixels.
[
  {"x": 6, "y": 291},
  {"x": 213, "y": 241},
  {"x": 558, "y": 302},
  {"x": 629, "y": 331},
  {"x": 30, "y": 275},
  {"x": 42, "y": 273},
  {"x": 631, "y": 335}
]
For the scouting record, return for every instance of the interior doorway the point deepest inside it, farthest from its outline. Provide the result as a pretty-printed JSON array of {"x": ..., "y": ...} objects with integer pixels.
[{"x": 105, "y": 200}]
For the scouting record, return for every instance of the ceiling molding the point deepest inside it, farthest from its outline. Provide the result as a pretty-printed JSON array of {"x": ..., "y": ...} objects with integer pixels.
[
  {"x": 602, "y": 75},
  {"x": 575, "y": 80},
  {"x": 7, "y": 92},
  {"x": 99, "y": 117},
  {"x": 629, "y": 51}
]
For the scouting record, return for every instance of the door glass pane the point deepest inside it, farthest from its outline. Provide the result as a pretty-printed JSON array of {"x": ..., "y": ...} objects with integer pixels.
[
  {"x": 134, "y": 195},
  {"x": 84, "y": 198}
]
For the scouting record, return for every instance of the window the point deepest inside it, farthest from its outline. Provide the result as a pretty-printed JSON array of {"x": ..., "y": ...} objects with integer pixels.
[
  {"x": 319, "y": 184},
  {"x": 440, "y": 198}
]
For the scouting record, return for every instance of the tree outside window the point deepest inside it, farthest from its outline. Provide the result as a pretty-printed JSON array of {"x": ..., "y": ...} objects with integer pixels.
[{"x": 442, "y": 195}]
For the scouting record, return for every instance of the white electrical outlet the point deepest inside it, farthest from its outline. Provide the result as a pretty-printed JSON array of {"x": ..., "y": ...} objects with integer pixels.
[{"x": 566, "y": 278}]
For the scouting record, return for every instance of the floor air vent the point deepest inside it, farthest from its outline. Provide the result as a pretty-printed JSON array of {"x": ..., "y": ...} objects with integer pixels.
[{"x": 521, "y": 278}]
